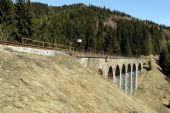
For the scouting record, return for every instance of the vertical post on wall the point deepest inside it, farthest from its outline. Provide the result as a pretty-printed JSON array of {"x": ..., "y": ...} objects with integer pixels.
[
  {"x": 43, "y": 44},
  {"x": 120, "y": 82},
  {"x": 33, "y": 42},
  {"x": 141, "y": 69},
  {"x": 136, "y": 78},
  {"x": 115, "y": 75},
  {"x": 126, "y": 80},
  {"x": 114, "y": 79},
  {"x": 131, "y": 81},
  {"x": 105, "y": 70},
  {"x": 49, "y": 45}
]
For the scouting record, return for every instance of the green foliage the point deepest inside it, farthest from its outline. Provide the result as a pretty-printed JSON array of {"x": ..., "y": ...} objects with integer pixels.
[
  {"x": 15, "y": 19},
  {"x": 6, "y": 18},
  {"x": 23, "y": 18},
  {"x": 164, "y": 59},
  {"x": 66, "y": 24},
  {"x": 1, "y": 32},
  {"x": 6, "y": 12}
]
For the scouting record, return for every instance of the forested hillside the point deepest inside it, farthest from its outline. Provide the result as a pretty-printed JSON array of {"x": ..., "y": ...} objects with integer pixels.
[
  {"x": 100, "y": 29},
  {"x": 164, "y": 59}
]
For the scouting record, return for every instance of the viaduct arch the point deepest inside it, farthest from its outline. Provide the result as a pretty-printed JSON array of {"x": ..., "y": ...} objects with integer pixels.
[
  {"x": 110, "y": 73},
  {"x": 123, "y": 72}
]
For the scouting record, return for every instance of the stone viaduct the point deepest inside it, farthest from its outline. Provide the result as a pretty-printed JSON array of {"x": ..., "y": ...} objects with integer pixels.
[{"x": 123, "y": 72}]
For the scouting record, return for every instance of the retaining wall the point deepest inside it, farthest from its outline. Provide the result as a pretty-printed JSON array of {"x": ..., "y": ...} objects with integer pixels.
[{"x": 30, "y": 50}]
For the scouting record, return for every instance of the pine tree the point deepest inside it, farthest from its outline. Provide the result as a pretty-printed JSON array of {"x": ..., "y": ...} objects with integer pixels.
[
  {"x": 29, "y": 18},
  {"x": 99, "y": 37},
  {"x": 6, "y": 12},
  {"x": 116, "y": 46},
  {"x": 164, "y": 58},
  {"x": 150, "y": 47},
  {"x": 23, "y": 18},
  {"x": 6, "y": 18}
]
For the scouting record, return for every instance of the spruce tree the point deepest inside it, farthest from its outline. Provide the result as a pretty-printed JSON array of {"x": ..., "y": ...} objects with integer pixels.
[
  {"x": 116, "y": 46},
  {"x": 23, "y": 19},
  {"x": 6, "y": 18},
  {"x": 6, "y": 12}
]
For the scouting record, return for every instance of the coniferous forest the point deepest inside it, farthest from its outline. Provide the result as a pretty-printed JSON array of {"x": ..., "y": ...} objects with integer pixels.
[
  {"x": 164, "y": 58},
  {"x": 100, "y": 29}
]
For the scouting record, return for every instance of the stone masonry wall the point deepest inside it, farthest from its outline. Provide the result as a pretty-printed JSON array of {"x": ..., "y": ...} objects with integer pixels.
[
  {"x": 127, "y": 80},
  {"x": 30, "y": 50}
]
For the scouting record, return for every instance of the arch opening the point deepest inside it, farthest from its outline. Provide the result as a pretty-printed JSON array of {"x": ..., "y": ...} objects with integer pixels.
[
  {"x": 117, "y": 75},
  {"x": 139, "y": 69},
  {"x": 110, "y": 73},
  {"x": 129, "y": 78},
  {"x": 100, "y": 72},
  {"x": 133, "y": 78},
  {"x": 123, "y": 77}
]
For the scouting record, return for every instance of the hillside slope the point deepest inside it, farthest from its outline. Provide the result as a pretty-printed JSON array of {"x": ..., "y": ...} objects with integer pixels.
[
  {"x": 39, "y": 84},
  {"x": 100, "y": 29},
  {"x": 154, "y": 89}
]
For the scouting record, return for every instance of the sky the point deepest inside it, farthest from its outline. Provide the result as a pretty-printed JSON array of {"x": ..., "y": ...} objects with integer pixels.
[{"x": 155, "y": 10}]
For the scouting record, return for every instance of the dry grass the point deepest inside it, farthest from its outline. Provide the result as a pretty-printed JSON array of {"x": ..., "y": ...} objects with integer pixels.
[
  {"x": 154, "y": 89},
  {"x": 37, "y": 84}
]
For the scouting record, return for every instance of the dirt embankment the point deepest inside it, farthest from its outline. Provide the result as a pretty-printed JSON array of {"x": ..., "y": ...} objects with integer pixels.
[
  {"x": 154, "y": 89},
  {"x": 39, "y": 84}
]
